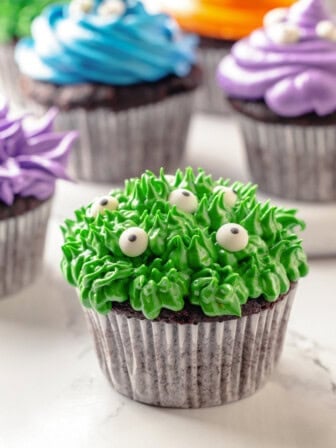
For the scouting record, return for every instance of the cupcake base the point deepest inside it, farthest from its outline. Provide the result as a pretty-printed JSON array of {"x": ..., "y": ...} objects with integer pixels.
[
  {"x": 188, "y": 364},
  {"x": 290, "y": 158},
  {"x": 123, "y": 130},
  {"x": 210, "y": 98},
  {"x": 118, "y": 145},
  {"x": 22, "y": 235}
]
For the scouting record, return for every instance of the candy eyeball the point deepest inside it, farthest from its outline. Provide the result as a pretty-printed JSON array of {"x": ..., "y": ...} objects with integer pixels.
[
  {"x": 170, "y": 179},
  {"x": 133, "y": 242},
  {"x": 184, "y": 200},
  {"x": 78, "y": 7},
  {"x": 102, "y": 204},
  {"x": 283, "y": 33},
  {"x": 111, "y": 8},
  {"x": 276, "y": 15},
  {"x": 230, "y": 196},
  {"x": 326, "y": 30},
  {"x": 232, "y": 237}
]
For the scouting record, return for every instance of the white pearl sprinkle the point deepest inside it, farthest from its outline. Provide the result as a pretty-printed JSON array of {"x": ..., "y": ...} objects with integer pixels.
[
  {"x": 326, "y": 30},
  {"x": 276, "y": 15},
  {"x": 80, "y": 6},
  {"x": 111, "y": 8},
  {"x": 283, "y": 33}
]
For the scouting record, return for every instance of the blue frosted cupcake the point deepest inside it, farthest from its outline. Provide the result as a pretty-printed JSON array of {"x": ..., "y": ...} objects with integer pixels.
[{"x": 123, "y": 76}]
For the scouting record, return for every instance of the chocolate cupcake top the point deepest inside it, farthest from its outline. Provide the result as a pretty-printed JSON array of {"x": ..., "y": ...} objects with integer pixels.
[
  {"x": 290, "y": 63},
  {"x": 114, "y": 42},
  {"x": 16, "y": 17},
  {"x": 164, "y": 241},
  {"x": 32, "y": 156}
]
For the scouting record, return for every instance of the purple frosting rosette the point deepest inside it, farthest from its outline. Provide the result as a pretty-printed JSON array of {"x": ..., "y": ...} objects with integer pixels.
[
  {"x": 32, "y": 156},
  {"x": 290, "y": 63}
]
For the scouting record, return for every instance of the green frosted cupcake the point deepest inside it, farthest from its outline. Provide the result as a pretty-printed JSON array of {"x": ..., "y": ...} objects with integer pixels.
[{"x": 187, "y": 283}]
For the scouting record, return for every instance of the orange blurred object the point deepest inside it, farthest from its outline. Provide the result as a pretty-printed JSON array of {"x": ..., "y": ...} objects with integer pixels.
[{"x": 221, "y": 19}]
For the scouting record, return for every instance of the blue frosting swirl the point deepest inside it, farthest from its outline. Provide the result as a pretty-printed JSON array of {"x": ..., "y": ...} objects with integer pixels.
[{"x": 131, "y": 48}]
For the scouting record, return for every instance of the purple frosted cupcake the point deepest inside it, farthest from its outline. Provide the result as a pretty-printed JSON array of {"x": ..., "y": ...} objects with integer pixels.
[
  {"x": 187, "y": 284},
  {"x": 281, "y": 81},
  {"x": 123, "y": 77},
  {"x": 32, "y": 157}
]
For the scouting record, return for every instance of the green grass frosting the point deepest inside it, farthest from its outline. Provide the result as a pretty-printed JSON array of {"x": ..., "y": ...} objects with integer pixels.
[
  {"x": 183, "y": 259},
  {"x": 16, "y": 17}
]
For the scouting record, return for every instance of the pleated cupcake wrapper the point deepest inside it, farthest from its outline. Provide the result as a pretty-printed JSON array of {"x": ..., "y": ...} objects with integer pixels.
[
  {"x": 21, "y": 248},
  {"x": 9, "y": 76},
  {"x": 210, "y": 98},
  {"x": 114, "y": 146},
  {"x": 190, "y": 366},
  {"x": 291, "y": 161}
]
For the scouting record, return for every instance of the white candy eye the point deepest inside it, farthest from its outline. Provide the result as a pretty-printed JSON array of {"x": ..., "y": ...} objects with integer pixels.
[
  {"x": 232, "y": 237},
  {"x": 276, "y": 15},
  {"x": 111, "y": 8},
  {"x": 283, "y": 33},
  {"x": 230, "y": 196},
  {"x": 80, "y": 6},
  {"x": 326, "y": 30},
  {"x": 133, "y": 242},
  {"x": 102, "y": 204},
  {"x": 184, "y": 200},
  {"x": 170, "y": 179}
]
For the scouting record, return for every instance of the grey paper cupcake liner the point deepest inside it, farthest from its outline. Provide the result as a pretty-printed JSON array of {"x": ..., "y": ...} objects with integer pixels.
[
  {"x": 291, "y": 161},
  {"x": 9, "y": 76},
  {"x": 210, "y": 99},
  {"x": 118, "y": 145},
  {"x": 21, "y": 248},
  {"x": 191, "y": 365}
]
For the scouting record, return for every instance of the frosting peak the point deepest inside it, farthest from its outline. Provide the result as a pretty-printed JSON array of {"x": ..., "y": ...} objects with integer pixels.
[
  {"x": 111, "y": 42},
  {"x": 32, "y": 157},
  {"x": 290, "y": 64}
]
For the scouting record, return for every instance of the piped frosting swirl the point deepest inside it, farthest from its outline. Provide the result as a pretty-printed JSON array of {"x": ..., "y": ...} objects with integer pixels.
[
  {"x": 102, "y": 44},
  {"x": 32, "y": 156},
  {"x": 289, "y": 64}
]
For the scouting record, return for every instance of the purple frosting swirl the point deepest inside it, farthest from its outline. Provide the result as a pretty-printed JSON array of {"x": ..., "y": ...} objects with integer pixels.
[
  {"x": 32, "y": 156},
  {"x": 292, "y": 78}
]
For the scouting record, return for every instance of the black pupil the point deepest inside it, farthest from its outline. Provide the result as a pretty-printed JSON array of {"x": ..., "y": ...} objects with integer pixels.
[
  {"x": 132, "y": 238},
  {"x": 234, "y": 230},
  {"x": 186, "y": 193},
  {"x": 104, "y": 201}
]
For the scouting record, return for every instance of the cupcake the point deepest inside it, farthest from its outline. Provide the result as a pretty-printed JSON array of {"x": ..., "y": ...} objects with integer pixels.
[
  {"x": 219, "y": 24},
  {"x": 281, "y": 81},
  {"x": 123, "y": 76},
  {"x": 32, "y": 157},
  {"x": 15, "y": 20},
  {"x": 187, "y": 284}
]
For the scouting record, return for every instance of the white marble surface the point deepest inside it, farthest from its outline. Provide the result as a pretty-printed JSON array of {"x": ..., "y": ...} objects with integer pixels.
[{"x": 52, "y": 392}]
